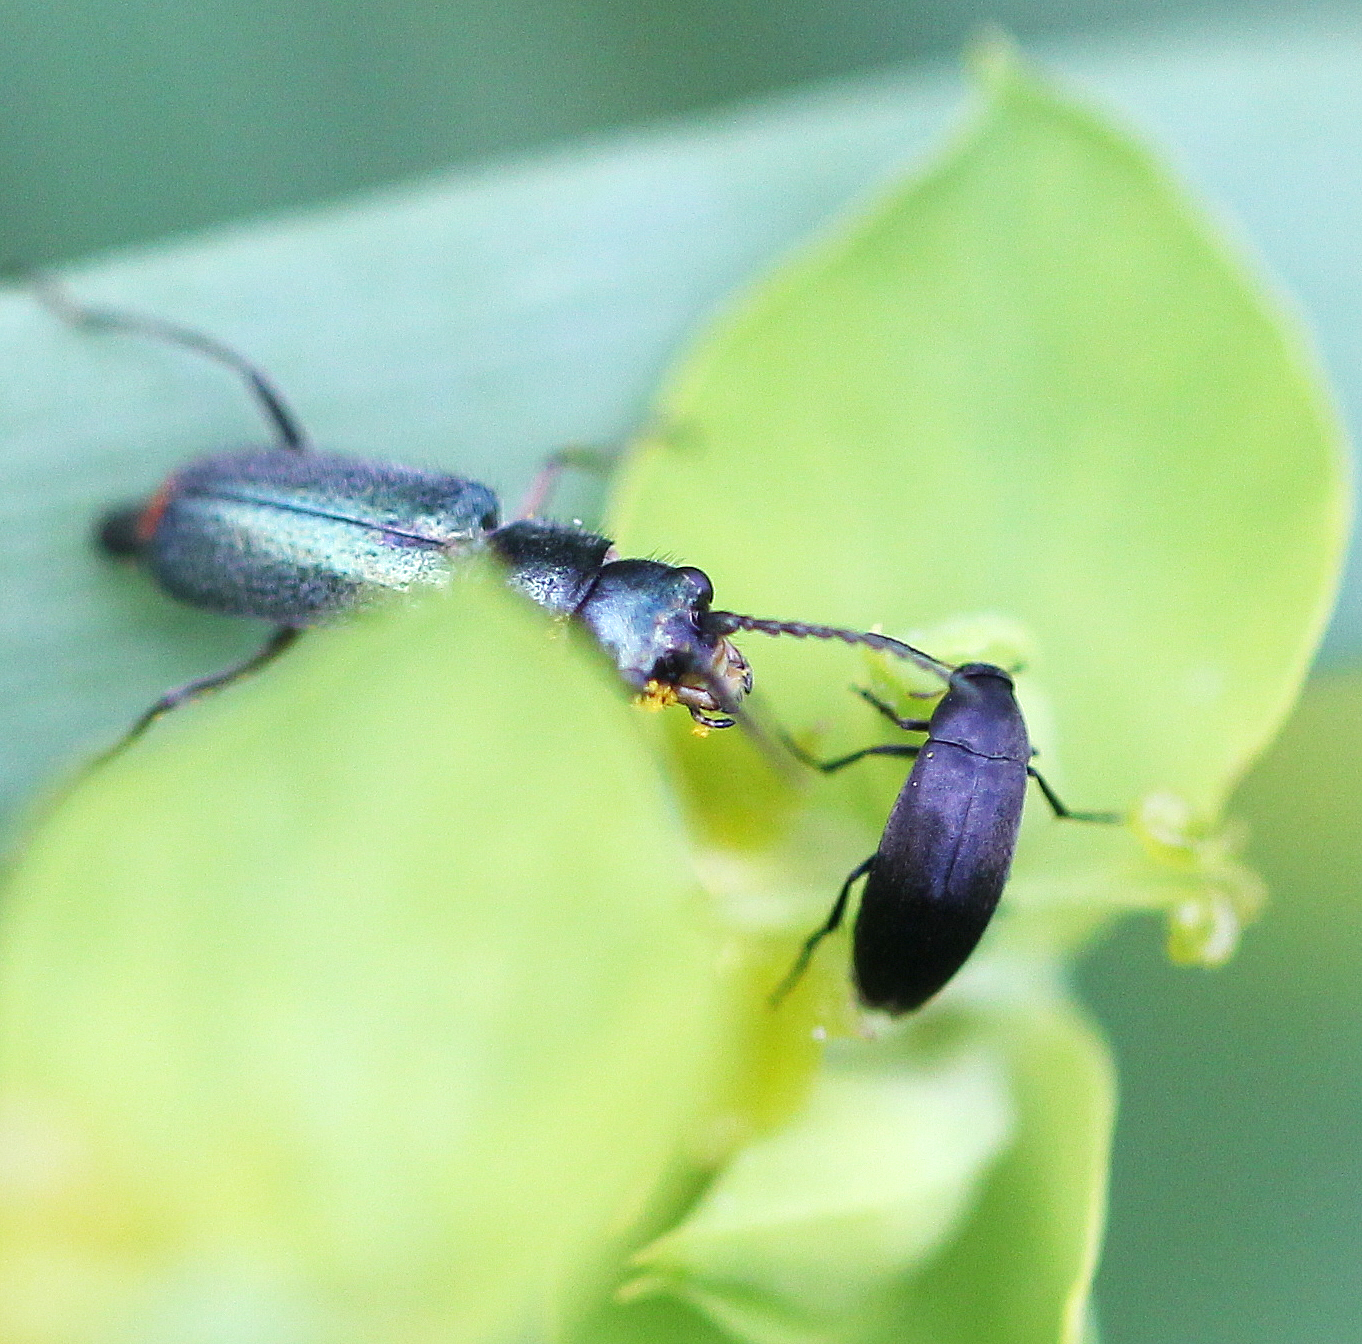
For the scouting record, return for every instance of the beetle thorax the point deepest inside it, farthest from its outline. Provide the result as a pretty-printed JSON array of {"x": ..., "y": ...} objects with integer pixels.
[{"x": 979, "y": 712}]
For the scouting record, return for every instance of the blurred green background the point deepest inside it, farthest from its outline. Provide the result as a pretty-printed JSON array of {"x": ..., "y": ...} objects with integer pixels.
[
  {"x": 1237, "y": 1196},
  {"x": 129, "y": 119}
]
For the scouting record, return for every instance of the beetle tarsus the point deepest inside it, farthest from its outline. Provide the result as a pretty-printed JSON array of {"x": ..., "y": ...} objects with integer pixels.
[{"x": 598, "y": 461}]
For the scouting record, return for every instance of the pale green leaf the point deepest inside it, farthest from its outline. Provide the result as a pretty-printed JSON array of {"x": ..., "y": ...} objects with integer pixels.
[
  {"x": 420, "y": 1015},
  {"x": 322, "y": 1018},
  {"x": 1022, "y": 1270},
  {"x": 1034, "y": 383},
  {"x": 797, "y": 1239}
]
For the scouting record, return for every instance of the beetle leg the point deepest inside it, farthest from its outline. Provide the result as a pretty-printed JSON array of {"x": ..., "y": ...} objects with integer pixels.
[
  {"x": 1066, "y": 813},
  {"x": 601, "y": 461},
  {"x": 56, "y": 300},
  {"x": 830, "y": 925},
  {"x": 908, "y": 725},
  {"x": 284, "y": 636},
  {"x": 828, "y": 767}
]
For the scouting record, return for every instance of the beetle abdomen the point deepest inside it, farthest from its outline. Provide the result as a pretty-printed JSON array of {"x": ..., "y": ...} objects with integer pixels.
[
  {"x": 294, "y": 537},
  {"x": 119, "y": 532},
  {"x": 938, "y": 874}
]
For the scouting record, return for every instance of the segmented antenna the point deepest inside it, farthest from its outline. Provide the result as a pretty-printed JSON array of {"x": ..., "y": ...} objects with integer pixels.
[
  {"x": 726, "y": 622},
  {"x": 276, "y": 410}
]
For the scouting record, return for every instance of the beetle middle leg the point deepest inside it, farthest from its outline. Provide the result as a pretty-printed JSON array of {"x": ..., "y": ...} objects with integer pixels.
[
  {"x": 598, "y": 461},
  {"x": 1067, "y": 813},
  {"x": 830, "y": 767},
  {"x": 280, "y": 640}
]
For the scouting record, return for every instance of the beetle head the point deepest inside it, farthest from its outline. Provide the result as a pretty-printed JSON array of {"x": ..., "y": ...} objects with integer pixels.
[{"x": 651, "y": 619}]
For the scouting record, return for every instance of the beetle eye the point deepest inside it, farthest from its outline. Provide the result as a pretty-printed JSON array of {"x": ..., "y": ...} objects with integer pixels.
[{"x": 704, "y": 589}]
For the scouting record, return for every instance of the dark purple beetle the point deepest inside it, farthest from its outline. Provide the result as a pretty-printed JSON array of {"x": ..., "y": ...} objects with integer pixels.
[{"x": 934, "y": 882}]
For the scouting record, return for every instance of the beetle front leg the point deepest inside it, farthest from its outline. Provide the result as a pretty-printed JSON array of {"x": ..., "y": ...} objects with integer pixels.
[{"x": 908, "y": 725}]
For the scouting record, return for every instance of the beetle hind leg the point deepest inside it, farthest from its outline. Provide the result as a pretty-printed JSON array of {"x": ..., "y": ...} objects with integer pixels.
[
  {"x": 280, "y": 640},
  {"x": 830, "y": 925},
  {"x": 1067, "y": 813}
]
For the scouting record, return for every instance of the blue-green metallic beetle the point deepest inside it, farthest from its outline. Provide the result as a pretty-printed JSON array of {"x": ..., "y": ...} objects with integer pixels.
[{"x": 294, "y": 536}]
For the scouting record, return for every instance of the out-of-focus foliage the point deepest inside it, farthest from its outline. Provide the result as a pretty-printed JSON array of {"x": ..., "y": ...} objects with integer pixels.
[
  {"x": 1237, "y": 1162},
  {"x": 132, "y": 119},
  {"x": 345, "y": 1007}
]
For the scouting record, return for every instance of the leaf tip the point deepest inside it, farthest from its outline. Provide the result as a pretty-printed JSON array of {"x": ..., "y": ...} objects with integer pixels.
[{"x": 994, "y": 59}]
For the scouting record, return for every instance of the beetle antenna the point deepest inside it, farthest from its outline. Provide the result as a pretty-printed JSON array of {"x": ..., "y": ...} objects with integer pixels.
[
  {"x": 726, "y": 622},
  {"x": 56, "y": 300}
]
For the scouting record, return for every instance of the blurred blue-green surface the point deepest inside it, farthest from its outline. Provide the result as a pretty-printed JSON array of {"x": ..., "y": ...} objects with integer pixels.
[
  {"x": 1236, "y": 1211},
  {"x": 1237, "y": 1176},
  {"x": 128, "y": 119}
]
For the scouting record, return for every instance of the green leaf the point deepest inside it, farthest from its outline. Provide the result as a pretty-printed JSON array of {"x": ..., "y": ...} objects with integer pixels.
[
  {"x": 321, "y": 1020},
  {"x": 799, "y": 1235},
  {"x": 1022, "y": 1270},
  {"x": 1034, "y": 383},
  {"x": 375, "y": 997},
  {"x": 945, "y": 1184},
  {"x": 1031, "y": 403}
]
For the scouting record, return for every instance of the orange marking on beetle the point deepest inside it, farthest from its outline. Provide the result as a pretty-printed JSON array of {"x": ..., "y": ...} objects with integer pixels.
[{"x": 150, "y": 517}]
